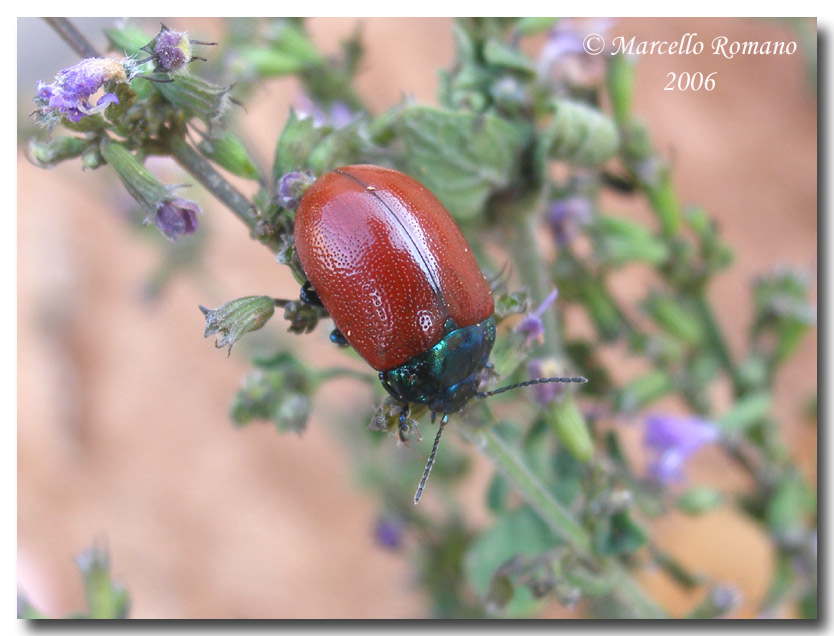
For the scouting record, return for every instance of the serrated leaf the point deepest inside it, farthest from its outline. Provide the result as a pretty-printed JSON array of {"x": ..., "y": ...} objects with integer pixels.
[
  {"x": 519, "y": 532},
  {"x": 463, "y": 158}
]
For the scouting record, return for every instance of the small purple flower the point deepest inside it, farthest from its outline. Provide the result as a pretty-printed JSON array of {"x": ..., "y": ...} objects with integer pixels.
[
  {"x": 565, "y": 216},
  {"x": 171, "y": 50},
  {"x": 73, "y": 87},
  {"x": 531, "y": 325},
  {"x": 338, "y": 114},
  {"x": 675, "y": 439},
  {"x": 388, "y": 533},
  {"x": 291, "y": 187},
  {"x": 177, "y": 216},
  {"x": 565, "y": 62}
]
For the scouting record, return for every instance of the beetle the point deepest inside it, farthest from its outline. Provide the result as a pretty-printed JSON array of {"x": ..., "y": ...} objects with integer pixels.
[{"x": 386, "y": 260}]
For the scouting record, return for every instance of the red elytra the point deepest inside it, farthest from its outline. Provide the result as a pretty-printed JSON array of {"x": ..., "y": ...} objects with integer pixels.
[{"x": 388, "y": 263}]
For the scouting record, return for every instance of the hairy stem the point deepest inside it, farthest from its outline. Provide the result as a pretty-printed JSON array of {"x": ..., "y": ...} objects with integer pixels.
[
  {"x": 560, "y": 520},
  {"x": 213, "y": 181},
  {"x": 72, "y": 36}
]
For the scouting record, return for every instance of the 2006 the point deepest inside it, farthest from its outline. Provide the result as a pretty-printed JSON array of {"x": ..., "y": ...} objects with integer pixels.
[{"x": 690, "y": 81}]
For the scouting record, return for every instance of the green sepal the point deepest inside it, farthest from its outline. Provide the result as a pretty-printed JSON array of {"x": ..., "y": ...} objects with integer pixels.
[
  {"x": 196, "y": 97},
  {"x": 570, "y": 427},
  {"x": 228, "y": 151},
  {"x": 140, "y": 182},
  {"x": 580, "y": 134},
  {"x": 45, "y": 154}
]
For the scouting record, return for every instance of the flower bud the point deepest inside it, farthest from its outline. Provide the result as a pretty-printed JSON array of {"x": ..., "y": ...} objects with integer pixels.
[
  {"x": 581, "y": 134},
  {"x": 570, "y": 427},
  {"x": 47, "y": 154},
  {"x": 176, "y": 217},
  {"x": 173, "y": 215},
  {"x": 233, "y": 319}
]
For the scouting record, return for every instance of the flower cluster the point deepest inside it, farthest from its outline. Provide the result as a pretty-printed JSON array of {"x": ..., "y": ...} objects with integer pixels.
[{"x": 70, "y": 94}]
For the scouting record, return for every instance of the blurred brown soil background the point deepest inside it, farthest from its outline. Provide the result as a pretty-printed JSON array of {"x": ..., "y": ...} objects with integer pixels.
[{"x": 123, "y": 431}]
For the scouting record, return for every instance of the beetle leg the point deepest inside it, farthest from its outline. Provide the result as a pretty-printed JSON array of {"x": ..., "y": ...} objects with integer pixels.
[
  {"x": 337, "y": 338},
  {"x": 308, "y": 295},
  {"x": 404, "y": 422}
]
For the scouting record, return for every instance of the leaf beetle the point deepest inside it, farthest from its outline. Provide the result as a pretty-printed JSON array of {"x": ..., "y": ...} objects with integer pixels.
[{"x": 389, "y": 264}]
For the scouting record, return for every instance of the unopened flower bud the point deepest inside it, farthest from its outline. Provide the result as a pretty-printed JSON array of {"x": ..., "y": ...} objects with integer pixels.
[
  {"x": 47, "y": 154},
  {"x": 173, "y": 215},
  {"x": 176, "y": 217},
  {"x": 233, "y": 319},
  {"x": 171, "y": 51}
]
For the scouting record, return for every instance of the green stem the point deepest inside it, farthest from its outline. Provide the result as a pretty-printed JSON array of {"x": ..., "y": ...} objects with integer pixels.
[
  {"x": 72, "y": 36},
  {"x": 716, "y": 339},
  {"x": 213, "y": 181},
  {"x": 532, "y": 270},
  {"x": 559, "y": 519}
]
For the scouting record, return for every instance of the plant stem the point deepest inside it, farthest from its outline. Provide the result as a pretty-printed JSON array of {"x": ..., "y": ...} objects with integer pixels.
[
  {"x": 530, "y": 264},
  {"x": 559, "y": 519},
  {"x": 72, "y": 36},
  {"x": 716, "y": 339},
  {"x": 213, "y": 181}
]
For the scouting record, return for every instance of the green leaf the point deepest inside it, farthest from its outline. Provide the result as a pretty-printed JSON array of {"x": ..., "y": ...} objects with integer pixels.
[
  {"x": 581, "y": 134},
  {"x": 497, "y": 493},
  {"x": 497, "y": 53},
  {"x": 700, "y": 499},
  {"x": 298, "y": 139},
  {"x": 570, "y": 427},
  {"x": 618, "y": 534},
  {"x": 463, "y": 158},
  {"x": 521, "y": 532},
  {"x": 747, "y": 412}
]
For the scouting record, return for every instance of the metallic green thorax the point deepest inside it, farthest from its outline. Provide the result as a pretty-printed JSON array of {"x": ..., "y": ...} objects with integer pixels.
[{"x": 446, "y": 376}]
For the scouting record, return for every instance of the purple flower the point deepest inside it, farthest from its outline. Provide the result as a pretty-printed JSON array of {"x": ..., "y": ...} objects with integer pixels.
[
  {"x": 177, "y": 216},
  {"x": 531, "y": 325},
  {"x": 675, "y": 439},
  {"x": 565, "y": 62},
  {"x": 565, "y": 216},
  {"x": 338, "y": 114},
  {"x": 388, "y": 533},
  {"x": 171, "y": 50},
  {"x": 291, "y": 187},
  {"x": 73, "y": 87}
]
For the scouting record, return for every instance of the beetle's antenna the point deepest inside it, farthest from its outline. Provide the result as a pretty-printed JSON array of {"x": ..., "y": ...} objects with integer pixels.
[
  {"x": 486, "y": 394},
  {"x": 430, "y": 463}
]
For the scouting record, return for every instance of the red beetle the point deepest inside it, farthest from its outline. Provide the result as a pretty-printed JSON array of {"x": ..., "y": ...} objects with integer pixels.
[{"x": 401, "y": 284}]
